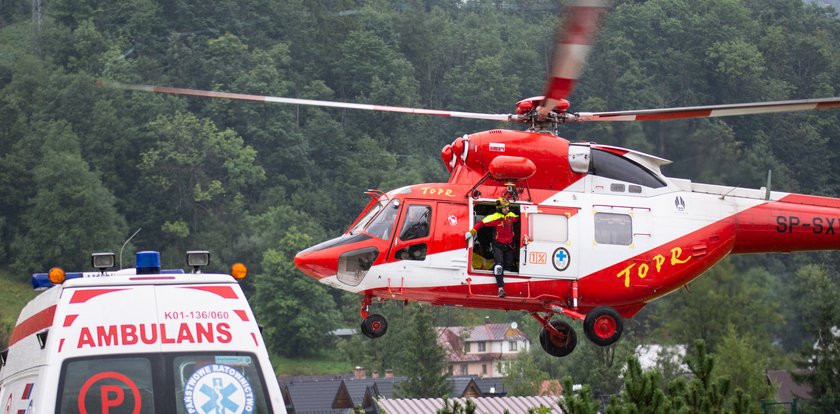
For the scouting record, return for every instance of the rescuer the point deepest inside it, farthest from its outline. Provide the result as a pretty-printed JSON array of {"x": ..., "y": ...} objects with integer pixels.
[{"x": 502, "y": 221}]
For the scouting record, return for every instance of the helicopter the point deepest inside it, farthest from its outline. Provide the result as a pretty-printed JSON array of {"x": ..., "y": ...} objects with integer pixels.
[{"x": 601, "y": 231}]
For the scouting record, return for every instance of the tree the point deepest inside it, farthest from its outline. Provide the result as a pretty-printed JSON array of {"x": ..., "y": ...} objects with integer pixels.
[
  {"x": 642, "y": 392},
  {"x": 200, "y": 176},
  {"x": 71, "y": 214},
  {"x": 296, "y": 312},
  {"x": 577, "y": 403},
  {"x": 820, "y": 304},
  {"x": 706, "y": 310},
  {"x": 524, "y": 376},
  {"x": 741, "y": 360},
  {"x": 423, "y": 360}
]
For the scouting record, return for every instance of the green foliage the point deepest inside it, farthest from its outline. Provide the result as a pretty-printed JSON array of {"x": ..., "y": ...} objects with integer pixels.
[
  {"x": 422, "y": 359},
  {"x": 456, "y": 407},
  {"x": 577, "y": 403},
  {"x": 80, "y": 167},
  {"x": 642, "y": 391},
  {"x": 739, "y": 358},
  {"x": 706, "y": 311},
  {"x": 70, "y": 214},
  {"x": 524, "y": 376},
  {"x": 296, "y": 312},
  {"x": 820, "y": 358},
  {"x": 600, "y": 367}
]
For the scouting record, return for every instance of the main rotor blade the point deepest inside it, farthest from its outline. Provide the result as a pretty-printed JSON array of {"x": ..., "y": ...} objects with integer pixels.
[
  {"x": 712, "y": 111},
  {"x": 572, "y": 47},
  {"x": 293, "y": 101}
]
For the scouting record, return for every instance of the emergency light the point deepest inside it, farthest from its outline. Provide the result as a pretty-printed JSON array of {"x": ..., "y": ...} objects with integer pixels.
[{"x": 148, "y": 262}]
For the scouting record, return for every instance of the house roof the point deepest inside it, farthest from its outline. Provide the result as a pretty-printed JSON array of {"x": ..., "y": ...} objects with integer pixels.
[
  {"x": 487, "y": 332},
  {"x": 452, "y": 340},
  {"x": 787, "y": 387},
  {"x": 491, "y": 386},
  {"x": 313, "y": 397},
  {"x": 337, "y": 395},
  {"x": 484, "y": 405}
]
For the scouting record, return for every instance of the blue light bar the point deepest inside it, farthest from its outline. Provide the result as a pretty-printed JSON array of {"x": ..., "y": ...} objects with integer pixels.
[
  {"x": 42, "y": 280},
  {"x": 148, "y": 262}
]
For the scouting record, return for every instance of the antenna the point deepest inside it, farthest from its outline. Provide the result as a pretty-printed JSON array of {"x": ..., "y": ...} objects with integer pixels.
[
  {"x": 727, "y": 193},
  {"x": 767, "y": 191},
  {"x": 126, "y": 242}
]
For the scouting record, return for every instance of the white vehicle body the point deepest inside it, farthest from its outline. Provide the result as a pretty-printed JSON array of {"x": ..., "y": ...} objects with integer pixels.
[{"x": 148, "y": 343}]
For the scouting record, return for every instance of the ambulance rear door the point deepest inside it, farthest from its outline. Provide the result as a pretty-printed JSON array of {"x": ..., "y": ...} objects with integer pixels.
[{"x": 159, "y": 345}]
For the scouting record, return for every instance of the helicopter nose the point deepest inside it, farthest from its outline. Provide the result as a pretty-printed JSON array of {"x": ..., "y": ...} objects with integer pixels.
[{"x": 316, "y": 264}]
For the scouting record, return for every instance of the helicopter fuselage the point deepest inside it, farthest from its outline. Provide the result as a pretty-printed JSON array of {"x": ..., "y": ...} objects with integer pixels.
[{"x": 599, "y": 226}]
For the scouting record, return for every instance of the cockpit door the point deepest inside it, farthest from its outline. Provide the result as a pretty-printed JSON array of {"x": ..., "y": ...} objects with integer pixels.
[
  {"x": 549, "y": 240},
  {"x": 414, "y": 231}
]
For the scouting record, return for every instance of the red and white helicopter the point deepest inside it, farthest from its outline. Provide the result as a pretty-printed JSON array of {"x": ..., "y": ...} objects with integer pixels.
[{"x": 602, "y": 231}]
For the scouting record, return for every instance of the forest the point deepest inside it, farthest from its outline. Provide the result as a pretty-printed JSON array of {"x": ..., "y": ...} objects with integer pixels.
[{"x": 82, "y": 168}]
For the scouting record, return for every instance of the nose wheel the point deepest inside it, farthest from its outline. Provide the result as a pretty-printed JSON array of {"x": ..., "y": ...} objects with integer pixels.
[{"x": 374, "y": 326}]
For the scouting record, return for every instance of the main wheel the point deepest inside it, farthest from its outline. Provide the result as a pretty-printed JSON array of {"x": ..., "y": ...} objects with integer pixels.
[
  {"x": 562, "y": 344},
  {"x": 603, "y": 326},
  {"x": 374, "y": 326}
]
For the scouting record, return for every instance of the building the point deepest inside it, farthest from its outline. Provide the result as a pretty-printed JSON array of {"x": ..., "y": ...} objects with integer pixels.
[
  {"x": 377, "y": 395},
  {"x": 484, "y": 350}
]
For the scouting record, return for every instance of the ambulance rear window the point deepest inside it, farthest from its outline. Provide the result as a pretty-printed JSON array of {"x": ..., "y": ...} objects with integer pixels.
[
  {"x": 163, "y": 383},
  {"x": 107, "y": 385}
]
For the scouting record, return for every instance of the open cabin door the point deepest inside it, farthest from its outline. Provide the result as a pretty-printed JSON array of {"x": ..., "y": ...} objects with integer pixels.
[{"x": 549, "y": 242}]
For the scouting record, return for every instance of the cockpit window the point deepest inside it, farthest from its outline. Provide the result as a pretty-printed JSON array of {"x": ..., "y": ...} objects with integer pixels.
[
  {"x": 605, "y": 164},
  {"x": 383, "y": 224},
  {"x": 416, "y": 223},
  {"x": 366, "y": 218}
]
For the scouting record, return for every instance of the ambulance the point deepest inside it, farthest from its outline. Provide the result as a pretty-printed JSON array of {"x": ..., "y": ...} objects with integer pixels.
[{"x": 140, "y": 340}]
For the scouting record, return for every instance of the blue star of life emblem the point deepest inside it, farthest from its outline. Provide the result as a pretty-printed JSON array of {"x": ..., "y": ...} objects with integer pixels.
[{"x": 561, "y": 259}]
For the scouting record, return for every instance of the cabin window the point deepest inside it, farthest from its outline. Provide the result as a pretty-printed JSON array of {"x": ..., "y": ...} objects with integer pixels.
[
  {"x": 466, "y": 347},
  {"x": 549, "y": 227},
  {"x": 383, "y": 224},
  {"x": 612, "y": 228},
  {"x": 416, "y": 224},
  {"x": 367, "y": 216},
  {"x": 513, "y": 346},
  {"x": 606, "y": 164},
  {"x": 482, "y": 347},
  {"x": 354, "y": 265}
]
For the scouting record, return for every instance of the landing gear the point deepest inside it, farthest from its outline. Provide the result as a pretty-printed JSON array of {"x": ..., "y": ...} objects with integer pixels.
[
  {"x": 558, "y": 338},
  {"x": 603, "y": 326},
  {"x": 374, "y": 326}
]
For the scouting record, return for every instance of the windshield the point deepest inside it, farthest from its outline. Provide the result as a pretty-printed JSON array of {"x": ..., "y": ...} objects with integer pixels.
[
  {"x": 382, "y": 225},
  {"x": 163, "y": 383},
  {"x": 368, "y": 215}
]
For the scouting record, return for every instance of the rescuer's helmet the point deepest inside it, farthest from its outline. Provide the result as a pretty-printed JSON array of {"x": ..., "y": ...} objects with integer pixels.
[{"x": 501, "y": 203}]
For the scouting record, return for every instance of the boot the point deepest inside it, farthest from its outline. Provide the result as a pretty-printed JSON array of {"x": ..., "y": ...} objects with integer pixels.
[{"x": 502, "y": 292}]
